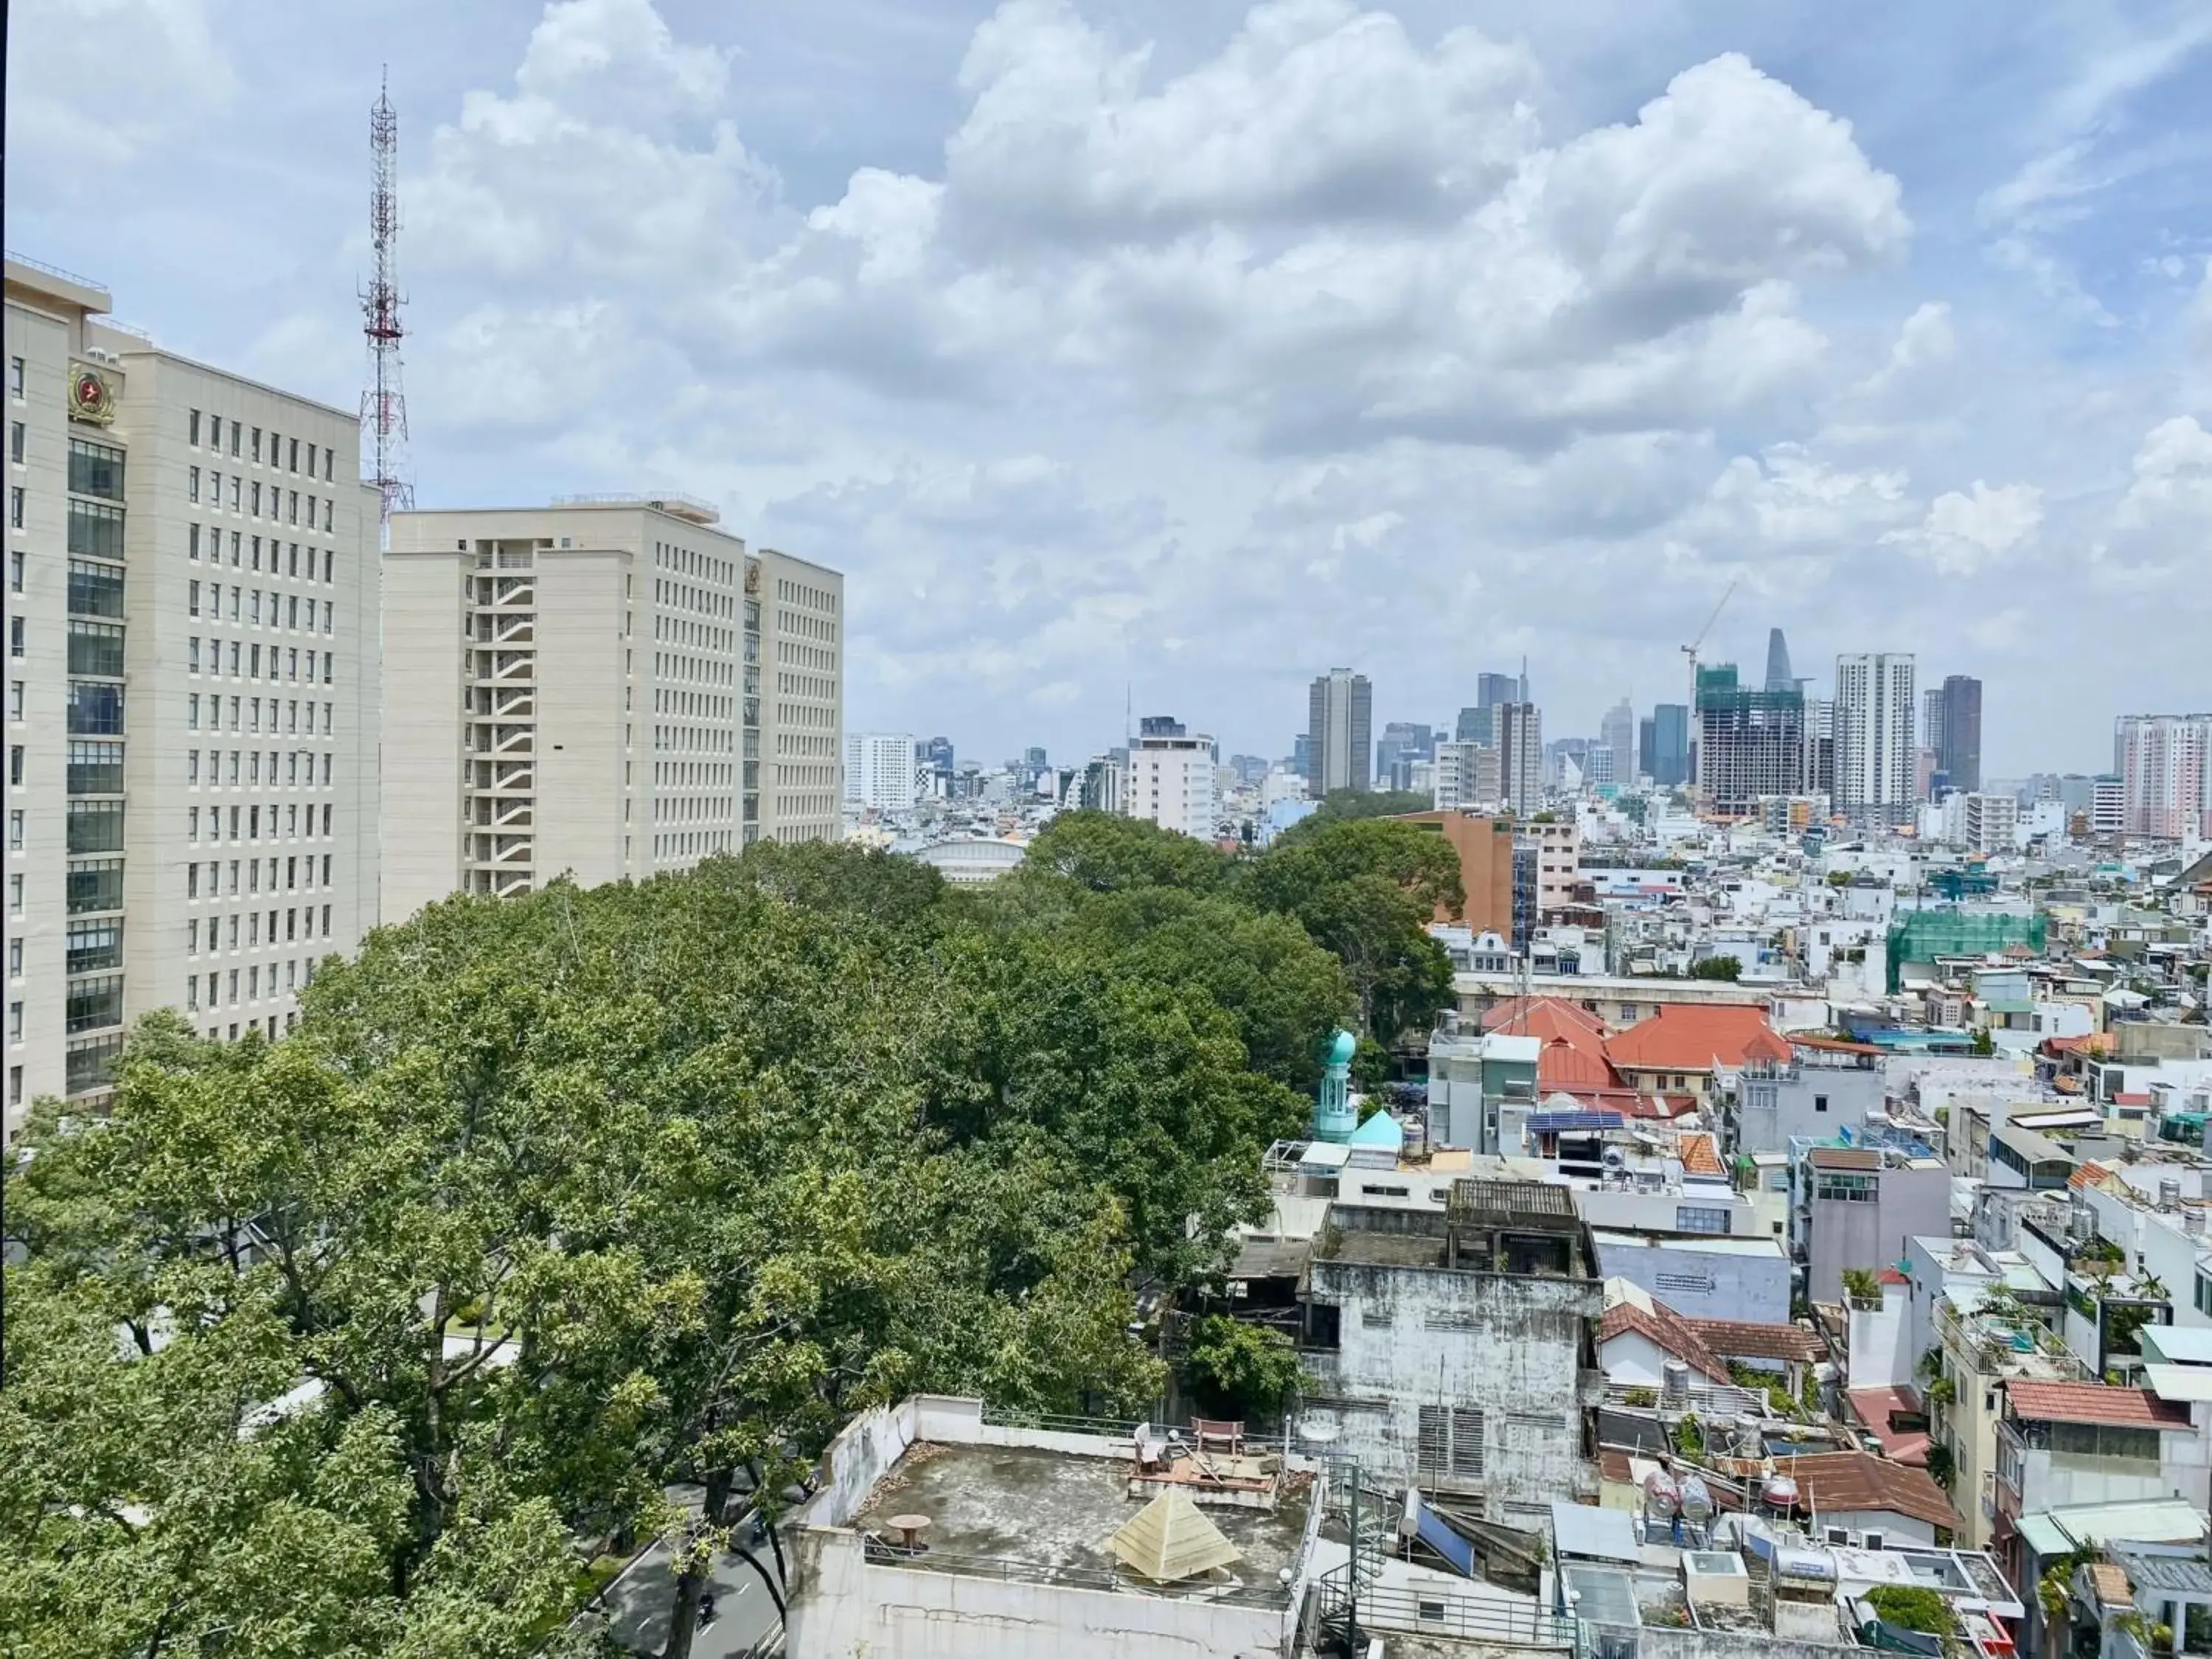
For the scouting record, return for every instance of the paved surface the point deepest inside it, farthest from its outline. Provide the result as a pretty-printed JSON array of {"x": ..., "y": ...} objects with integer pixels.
[{"x": 638, "y": 1603}]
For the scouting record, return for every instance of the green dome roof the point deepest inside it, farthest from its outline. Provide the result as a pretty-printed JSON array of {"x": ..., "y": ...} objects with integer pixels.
[{"x": 1341, "y": 1051}]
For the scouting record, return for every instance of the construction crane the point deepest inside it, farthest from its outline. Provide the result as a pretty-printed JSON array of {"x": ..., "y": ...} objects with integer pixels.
[{"x": 1690, "y": 651}]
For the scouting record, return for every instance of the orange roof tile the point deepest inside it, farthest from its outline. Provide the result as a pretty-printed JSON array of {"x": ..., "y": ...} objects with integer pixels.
[
  {"x": 1687, "y": 1037},
  {"x": 1700, "y": 1153},
  {"x": 2095, "y": 1403},
  {"x": 1572, "y": 1055},
  {"x": 1744, "y": 1339},
  {"x": 1664, "y": 1326},
  {"x": 1853, "y": 1482}
]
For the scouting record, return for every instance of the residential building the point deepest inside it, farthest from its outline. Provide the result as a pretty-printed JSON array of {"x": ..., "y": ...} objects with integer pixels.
[
  {"x": 1467, "y": 777},
  {"x": 1170, "y": 782},
  {"x": 2165, "y": 767},
  {"x": 1701, "y": 1275},
  {"x": 1688, "y": 1050},
  {"x": 2109, "y": 813},
  {"x": 1618, "y": 1000},
  {"x": 606, "y": 688},
  {"x": 1559, "y": 844},
  {"x": 193, "y": 691},
  {"x": 1751, "y": 745},
  {"x": 1874, "y": 736},
  {"x": 1986, "y": 823},
  {"x": 1485, "y": 846},
  {"x": 1101, "y": 790},
  {"x": 1477, "y": 1081},
  {"x": 1520, "y": 728},
  {"x": 1339, "y": 714},
  {"x": 879, "y": 771},
  {"x": 1617, "y": 737},
  {"x": 1823, "y": 1085},
  {"x": 1954, "y": 730},
  {"x": 1454, "y": 1350},
  {"x": 1859, "y": 1207},
  {"x": 1985, "y": 1341}
]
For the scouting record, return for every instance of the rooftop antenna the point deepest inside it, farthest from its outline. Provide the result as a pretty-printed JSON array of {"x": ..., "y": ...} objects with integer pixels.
[{"x": 383, "y": 404}]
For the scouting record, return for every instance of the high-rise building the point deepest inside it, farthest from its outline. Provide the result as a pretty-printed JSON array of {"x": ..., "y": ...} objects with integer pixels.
[
  {"x": 880, "y": 774},
  {"x": 193, "y": 691},
  {"x": 1617, "y": 734},
  {"x": 1159, "y": 725},
  {"x": 1490, "y": 690},
  {"x": 605, "y": 688},
  {"x": 1520, "y": 756},
  {"x": 1751, "y": 743},
  {"x": 1339, "y": 721},
  {"x": 2165, "y": 767},
  {"x": 1101, "y": 788},
  {"x": 1953, "y": 731},
  {"x": 1473, "y": 725},
  {"x": 1778, "y": 678},
  {"x": 1874, "y": 717},
  {"x": 1467, "y": 777},
  {"x": 1669, "y": 764},
  {"x": 1169, "y": 781},
  {"x": 1402, "y": 743}
]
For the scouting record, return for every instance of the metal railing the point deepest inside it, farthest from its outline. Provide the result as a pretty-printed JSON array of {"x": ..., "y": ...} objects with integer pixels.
[
  {"x": 1441, "y": 1613},
  {"x": 1272, "y": 1597},
  {"x": 1106, "y": 1428}
]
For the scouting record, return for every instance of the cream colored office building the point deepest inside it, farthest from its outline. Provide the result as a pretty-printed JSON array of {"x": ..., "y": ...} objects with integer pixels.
[
  {"x": 607, "y": 687},
  {"x": 192, "y": 690}
]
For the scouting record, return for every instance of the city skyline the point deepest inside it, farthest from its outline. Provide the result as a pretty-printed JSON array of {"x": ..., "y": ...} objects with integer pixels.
[{"x": 1038, "y": 508}]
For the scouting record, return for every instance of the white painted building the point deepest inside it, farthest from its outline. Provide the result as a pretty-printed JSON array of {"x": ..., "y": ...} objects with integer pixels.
[
  {"x": 1874, "y": 719},
  {"x": 1170, "y": 781},
  {"x": 193, "y": 691},
  {"x": 879, "y": 771}
]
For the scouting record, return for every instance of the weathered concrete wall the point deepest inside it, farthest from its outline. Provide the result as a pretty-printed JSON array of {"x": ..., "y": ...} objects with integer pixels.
[
  {"x": 1719, "y": 1284},
  {"x": 1507, "y": 1347},
  {"x": 1666, "y": 1641}
]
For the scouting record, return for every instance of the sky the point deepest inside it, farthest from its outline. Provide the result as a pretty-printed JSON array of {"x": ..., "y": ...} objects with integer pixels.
[{"x": 1132, "y": 352}]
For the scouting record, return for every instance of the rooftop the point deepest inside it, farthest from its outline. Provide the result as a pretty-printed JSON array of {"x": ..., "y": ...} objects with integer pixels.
[
  {"x": 1690, "y": 1037},
  {"x": 2093, "y": 1402},
  {"x": 1738, "y": 1338},
  {"x": 1029, "y": 1513},
  {"x": 1854, "y": 1482}
]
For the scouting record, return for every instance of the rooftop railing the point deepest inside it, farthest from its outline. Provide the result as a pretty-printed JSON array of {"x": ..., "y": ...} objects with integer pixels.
[{"x": 1272, "y": 1597}]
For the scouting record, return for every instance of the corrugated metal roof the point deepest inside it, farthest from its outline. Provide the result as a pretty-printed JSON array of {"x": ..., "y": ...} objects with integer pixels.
[
  {"x": 2150, "y": 1521},
  {"x": 1600, "y": 1534}
]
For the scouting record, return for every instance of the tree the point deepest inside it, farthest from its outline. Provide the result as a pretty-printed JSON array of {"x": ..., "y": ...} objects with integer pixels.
[
  {"x": 1942, "y": 1468},
  {"x": 1912, "y": 1607},
  {"x": 1239, "y": 1370},
  {"x": 1340, "y": 805},
  {"x": 1721, "y": 967},
  {"x": 1861, "y": 1288},
  {"x": 1983, "y": 1043},
  {"x": 1106, "y": 852}
]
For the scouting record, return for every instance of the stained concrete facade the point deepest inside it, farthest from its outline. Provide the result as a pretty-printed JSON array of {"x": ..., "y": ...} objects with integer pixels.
[{"x": 1456, "y": 1351}]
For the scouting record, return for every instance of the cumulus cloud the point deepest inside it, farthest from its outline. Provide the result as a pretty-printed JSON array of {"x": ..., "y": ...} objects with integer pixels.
[
  {"x": 96, "y": 85},
  {"x": 1965, "y": 531}
]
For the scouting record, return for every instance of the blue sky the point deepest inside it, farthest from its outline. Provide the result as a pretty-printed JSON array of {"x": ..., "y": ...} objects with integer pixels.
[{"x": 1193, "y": 350}]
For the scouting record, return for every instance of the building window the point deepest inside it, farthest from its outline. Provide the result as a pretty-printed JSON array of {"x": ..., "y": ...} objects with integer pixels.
[
  {"x": 15, "y": 508},
  {"x": 192, "y": 429},
  {"x": 95, "y": 590},
  {"x": 1698, "y": 1218},
  {"x": 1819, "y": 1102},
  {"x": 95, "y": 528},
  {"x": 95, "y": 469},
  {"x": 14, "y": 377},
  {"x": 192, "y": 484}
]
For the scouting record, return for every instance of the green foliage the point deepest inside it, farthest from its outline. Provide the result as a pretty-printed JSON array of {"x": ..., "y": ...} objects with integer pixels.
[
  {"x": 1721, "y": 967},
  {"x": 1106, "y": 852},
  {"x": 1239, "y": 1370},
  {"x": 1690, "y": 1436},
  {"x": 1339, "y": 805},
  {"x": 557, "y": 1200},
  {"x": 1983, "y": 1043},
  {"x": 1862, "y": 1289},
  {"x": 1943, "y": 1468},
  {"x": 1640, "y": 1397},
  {"x": 1942, "y": 1392},
  {"x": 1913, "y": 1607},
  {"x": 1930, "y": 1363}
]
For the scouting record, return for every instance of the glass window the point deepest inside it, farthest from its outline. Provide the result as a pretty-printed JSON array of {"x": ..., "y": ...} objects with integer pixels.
[
  {"x": 90, "y": 1065},
  {"x": 95, "y": 710},
  {"x": 1697, "y": 1218},
  {"x": 96, "y": 768},
  {"x": 95, "y": 469},
  {"x": 95, "y": 528},
  {"x": 94, "y": 1003},
  {"x": 95, "y": 648},
  {"x": 95, "y": 885},
  {"x": 94, "y": 946},
  {"x": 96, "y": 590}
]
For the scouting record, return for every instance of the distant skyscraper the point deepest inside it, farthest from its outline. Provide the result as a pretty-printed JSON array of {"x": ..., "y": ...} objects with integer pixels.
[
  {"x": 1159, "y": 725},
  {"x": 1778, "y": 678},
  {"x": 1521, "y": 756},
  {"x": 1669, "y": 763},
  {"x": 1874, "y": 715},
  {"x": 1751, "y": 743},
  {"x": 1402, "y": 743},
  {"x": 1341, "y": 722},
  {"x": 1170, "y": 781},
  {"x": 2165, "y": 767},
  {"x": 1490, "y": 690},
  {"x": 1955, "y": 733},
  {"x": 879, "y": 771},
  {"x": 1617, "y": 733}
]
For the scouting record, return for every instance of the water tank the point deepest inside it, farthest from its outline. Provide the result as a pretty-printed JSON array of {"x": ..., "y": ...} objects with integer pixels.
[
  {"x": 1674, "y": 1383},
  {"x": 1817, "y": 1566},
  {"x": 1779, "y": 1491},
  {"x": 2169, "y": 1196},
  {"x": 1697, "y": 1501},
  {"x": 1661, "y": 1500}
]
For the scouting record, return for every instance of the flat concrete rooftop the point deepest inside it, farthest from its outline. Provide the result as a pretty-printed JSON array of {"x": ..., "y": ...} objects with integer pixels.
[{"x": 1027, "y": 1512}]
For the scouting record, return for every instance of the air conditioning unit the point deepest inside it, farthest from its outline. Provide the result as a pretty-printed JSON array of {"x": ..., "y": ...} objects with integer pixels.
[
  {"x": 1873, "y": 1542},
  {"x": 1839, "y": 1536}
]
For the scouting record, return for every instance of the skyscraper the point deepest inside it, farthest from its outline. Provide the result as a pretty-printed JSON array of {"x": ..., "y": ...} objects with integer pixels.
[
  {"x": 1490, "y": 690},
  {"x": 1170, "y": 779},
  {"x": 1669, "y": 763},
  {"x": 1339, "y": 720},
  {"x": 1874, "y": 717},
  {"x": 1778, "y": 676},
  {"x": 879, "y": 771},
  {"x": 1617, "y": 732},
  {"x": 1955, "y": 731},
  {"x": 2165, "y": 767},
  {"x": 1520, "y": 756},
  {"x": 1751, "y": 743},
  {"x": 1402, "y": 743},
  {"x": 193, "y": 562}
]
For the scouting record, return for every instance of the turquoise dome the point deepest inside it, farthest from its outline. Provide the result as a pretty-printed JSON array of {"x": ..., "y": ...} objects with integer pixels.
[{"x": 1341, "y": 1051}]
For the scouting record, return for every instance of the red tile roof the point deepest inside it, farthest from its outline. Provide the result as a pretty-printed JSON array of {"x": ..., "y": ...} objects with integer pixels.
[
  {"x": 2095, "y": 1403},
  {"x": 1572, "y": 1055},
  {"x": 1689, "y": 1037},
  {"x": 1875, "y": 1406},
  {"x": 1744, "y": 1339},
  {"x": 1701, "y": 1151},
  {"x": 1891, "y": 1276},
  {"x": 1665, "y": 1328},
  {"x": 1859, "y": 1483},
  {"x": 1830, "y": 1045},
  {"x": 1844, "y": 1157}
]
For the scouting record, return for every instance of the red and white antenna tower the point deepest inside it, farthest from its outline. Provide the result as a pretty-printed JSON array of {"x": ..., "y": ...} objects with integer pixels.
[{"x": 384, "y": 405}]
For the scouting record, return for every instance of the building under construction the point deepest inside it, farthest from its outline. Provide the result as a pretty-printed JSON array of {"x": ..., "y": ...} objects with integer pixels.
[{"x": 1751, "y": 743}]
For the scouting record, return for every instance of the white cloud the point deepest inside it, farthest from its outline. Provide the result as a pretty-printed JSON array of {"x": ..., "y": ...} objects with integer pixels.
[
  {"x": 1965, "y": 531},
  {"x": 96, "y": 85}
]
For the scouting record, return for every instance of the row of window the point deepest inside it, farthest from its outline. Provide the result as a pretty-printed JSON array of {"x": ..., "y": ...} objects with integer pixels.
[
  {"x": 250, "y": 871},
  {"x": 295, "y": 918},
  {"x": 245, "y": 553},
  {"x": 296, "y": 974},
  {"x": 246, "y": 606},
  {"x": 250, "y": 818},
  {"x": 284, "y": 661},
  {"x": 299, "y": 768},
  {"x": 288, "y": 449},
  {"x": 246, "y": 498},
  {"x": 252, "y": 716}
]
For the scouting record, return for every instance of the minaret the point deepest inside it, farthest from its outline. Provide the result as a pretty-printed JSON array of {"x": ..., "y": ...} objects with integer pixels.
[{"x": 1335, "y": 1119}]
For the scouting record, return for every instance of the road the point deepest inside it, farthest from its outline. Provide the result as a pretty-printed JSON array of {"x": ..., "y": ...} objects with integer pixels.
[{"x": 637, "y": 1606}]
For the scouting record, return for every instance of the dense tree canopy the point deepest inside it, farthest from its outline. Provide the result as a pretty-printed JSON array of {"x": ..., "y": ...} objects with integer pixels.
[{"x": 361, "y": 1342}]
